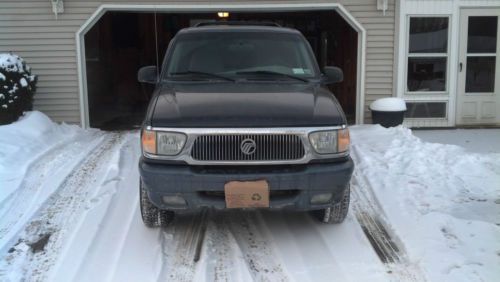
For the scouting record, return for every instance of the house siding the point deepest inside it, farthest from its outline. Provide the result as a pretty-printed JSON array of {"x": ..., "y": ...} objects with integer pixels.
[{"x": 30, "y": 29}]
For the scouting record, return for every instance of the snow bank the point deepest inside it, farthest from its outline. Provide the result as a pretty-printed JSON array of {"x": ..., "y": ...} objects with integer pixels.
[
  {"x": 23, "y": 141},
  {"x": 440, "y": 201},
  {"x": 390, "y": 104}
]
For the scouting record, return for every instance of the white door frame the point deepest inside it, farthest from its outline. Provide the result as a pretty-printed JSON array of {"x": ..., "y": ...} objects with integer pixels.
[
  {"x": 80, "y": 41},
  {"x": 462, "y": 58}
]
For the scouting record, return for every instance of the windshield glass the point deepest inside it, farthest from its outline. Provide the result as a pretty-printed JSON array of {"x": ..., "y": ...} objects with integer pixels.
[{"x": 241, "y": 54}]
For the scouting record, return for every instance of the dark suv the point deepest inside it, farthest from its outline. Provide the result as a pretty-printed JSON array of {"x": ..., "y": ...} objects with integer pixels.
[{"x": 241, "y": 118}]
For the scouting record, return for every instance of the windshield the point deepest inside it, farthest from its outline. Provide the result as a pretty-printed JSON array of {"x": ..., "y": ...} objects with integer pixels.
[{"x": 241, "y": 54}]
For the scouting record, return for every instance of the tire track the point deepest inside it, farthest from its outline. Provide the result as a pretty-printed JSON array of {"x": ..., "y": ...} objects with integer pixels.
[
  {"x": 367, "y": 211},
  {"x": 179, "y": 265},
  {"x": 236, "y": 248},
  {"x": 219, "y": 250},
  {"x": 248, "y": 230},
  {"x": 56, "y": 217},
  {"x": 108, "y": 204},
  {"x": 38, "y": 183}
]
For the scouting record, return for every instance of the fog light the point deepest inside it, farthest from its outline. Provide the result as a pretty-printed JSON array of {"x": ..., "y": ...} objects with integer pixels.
[
  {"x": 174, "y": 200},
  {"x": 321, "y": 198}
]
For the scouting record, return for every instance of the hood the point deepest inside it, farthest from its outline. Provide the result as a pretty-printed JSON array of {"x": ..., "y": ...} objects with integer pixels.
[{"x": 245, "y": 105}]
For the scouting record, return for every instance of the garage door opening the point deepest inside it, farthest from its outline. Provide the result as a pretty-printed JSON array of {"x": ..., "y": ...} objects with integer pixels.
[{"x": 119, "y": 43}]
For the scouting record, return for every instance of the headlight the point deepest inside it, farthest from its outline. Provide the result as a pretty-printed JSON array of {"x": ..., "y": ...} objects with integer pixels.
[
  {"x": 170, "y": 143},
  {"x": 330, "y": 142},
  {"x": 162, "y": 143}
]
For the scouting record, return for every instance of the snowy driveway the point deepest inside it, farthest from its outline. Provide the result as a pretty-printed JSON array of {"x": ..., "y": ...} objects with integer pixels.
[{"x": 69, "y": 211}]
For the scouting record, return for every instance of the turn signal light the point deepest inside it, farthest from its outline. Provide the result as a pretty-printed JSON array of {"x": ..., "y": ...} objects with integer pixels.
[
  {"x": 148, "y": 139},
  {"x": 343, "y": 140}
]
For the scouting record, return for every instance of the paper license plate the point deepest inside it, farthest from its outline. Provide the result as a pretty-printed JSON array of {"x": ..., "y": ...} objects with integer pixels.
[{"x": 247, "y": 194}]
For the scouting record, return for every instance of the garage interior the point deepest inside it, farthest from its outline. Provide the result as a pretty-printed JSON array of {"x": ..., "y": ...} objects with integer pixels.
[{"x": 122, "y": 42}]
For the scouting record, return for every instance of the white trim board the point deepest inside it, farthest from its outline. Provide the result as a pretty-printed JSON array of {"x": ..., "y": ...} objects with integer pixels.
[{"x": 80, "y": 43}]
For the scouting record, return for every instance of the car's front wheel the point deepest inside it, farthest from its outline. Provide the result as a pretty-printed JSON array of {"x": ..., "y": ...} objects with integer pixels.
[
  {"x": 151, "y": 215},
  {"x": 337, "y": 212}
]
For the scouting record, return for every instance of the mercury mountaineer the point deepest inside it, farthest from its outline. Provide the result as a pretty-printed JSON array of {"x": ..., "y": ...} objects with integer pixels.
[{"x": 241, "y": 118}]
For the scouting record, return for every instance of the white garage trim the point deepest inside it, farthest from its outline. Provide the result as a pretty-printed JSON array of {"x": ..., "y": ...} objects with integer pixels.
[{"x": 80, "y": 42}]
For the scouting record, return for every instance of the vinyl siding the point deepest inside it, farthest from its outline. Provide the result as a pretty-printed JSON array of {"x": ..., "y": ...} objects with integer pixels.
[{"x": 29, "y": 28}]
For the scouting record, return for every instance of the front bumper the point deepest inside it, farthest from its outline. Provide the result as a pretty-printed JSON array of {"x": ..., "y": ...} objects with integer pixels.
[{"x": 291, "y": 186}]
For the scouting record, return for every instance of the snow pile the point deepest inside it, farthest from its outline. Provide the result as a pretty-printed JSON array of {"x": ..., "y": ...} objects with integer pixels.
[
  {"x": 389, "y": 104},
  {"x": 23, "y": 141},
  {"x": 441, "y": 202}
]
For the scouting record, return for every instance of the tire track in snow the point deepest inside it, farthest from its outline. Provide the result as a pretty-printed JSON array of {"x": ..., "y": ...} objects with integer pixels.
[
  {"x": 367, "y": 210},
  {"x": 219, "y": 256},
  {"x": 59, "y": 213},
  {"x": 236, "y": 248},
  {"x": 40, "y": 181},
  {"x": 96, "y": 235},
  {"x": 250, "y": 233},
  {"x": 181, "y": 237}
]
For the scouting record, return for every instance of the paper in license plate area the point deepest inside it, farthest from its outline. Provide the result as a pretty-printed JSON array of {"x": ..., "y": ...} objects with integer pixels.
[{"x": 247, "y": 194}]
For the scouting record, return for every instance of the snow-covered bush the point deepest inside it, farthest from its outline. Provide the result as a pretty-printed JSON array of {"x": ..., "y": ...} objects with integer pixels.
[{"x": 17, "y": 87}]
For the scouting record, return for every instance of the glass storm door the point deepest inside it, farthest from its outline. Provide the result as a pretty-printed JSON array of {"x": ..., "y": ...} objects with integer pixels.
[{"x": 478, "y": 99}]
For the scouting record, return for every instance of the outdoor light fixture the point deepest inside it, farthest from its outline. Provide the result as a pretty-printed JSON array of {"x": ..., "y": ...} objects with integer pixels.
[
  {"x": 382, "y": 5},
  {"x": 223, "y": 15},
  {"x": 57, "y": 7}
]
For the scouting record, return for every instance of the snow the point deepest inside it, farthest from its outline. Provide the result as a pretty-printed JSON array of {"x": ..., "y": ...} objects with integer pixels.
[
  {"x": 389, "y": 104},
  {"x": 14, "y": 89},
  {"x": 2, "y": 77},
  {"x": 73, "y": 194},
  {"x": 23, "y": 82},
  {"x": 11, "y": 63},
  {"x": 439, "y": 200},
  {"x": 25, "y": 140},
  {"x": 485, "y": 140}
]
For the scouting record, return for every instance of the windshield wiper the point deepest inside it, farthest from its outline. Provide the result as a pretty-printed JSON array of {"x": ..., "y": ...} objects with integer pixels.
[
  {"x": 203, "y": 73},
  {"x": 273, "y": 73}
]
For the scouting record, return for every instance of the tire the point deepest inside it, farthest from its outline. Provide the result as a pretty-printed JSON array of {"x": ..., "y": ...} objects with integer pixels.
[
  {"x": 337, "y": 212},
  {"x": 151, "y": 215}
]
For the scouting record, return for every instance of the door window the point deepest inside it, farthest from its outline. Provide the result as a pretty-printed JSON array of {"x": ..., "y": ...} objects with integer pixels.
[
  {"x": 481, "y": 54},
  {"x": 482, "y": 34}
]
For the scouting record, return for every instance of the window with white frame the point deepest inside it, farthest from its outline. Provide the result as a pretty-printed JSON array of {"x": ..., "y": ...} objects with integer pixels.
[{"x": 427, "y": 55}]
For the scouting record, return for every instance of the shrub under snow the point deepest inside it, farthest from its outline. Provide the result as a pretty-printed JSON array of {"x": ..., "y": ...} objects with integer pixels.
[{"x": 17, "y": 87}]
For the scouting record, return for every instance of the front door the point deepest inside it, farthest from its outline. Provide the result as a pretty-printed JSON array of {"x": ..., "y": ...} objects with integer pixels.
[{"x": 478, "y": 96}]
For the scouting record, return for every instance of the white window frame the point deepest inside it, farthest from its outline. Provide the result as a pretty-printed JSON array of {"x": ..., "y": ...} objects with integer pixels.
[
  {"x": 427, "y": 96},
  {"x": 411, "y": 94}
]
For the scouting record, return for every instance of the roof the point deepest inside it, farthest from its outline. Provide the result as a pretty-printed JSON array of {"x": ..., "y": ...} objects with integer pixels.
[{"x": 238, "y": 28}]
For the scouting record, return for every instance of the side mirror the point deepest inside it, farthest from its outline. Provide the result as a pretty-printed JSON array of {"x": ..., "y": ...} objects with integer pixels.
[
  {"x": 333, "y": 75},
  {"x": 148, "y": 75}
]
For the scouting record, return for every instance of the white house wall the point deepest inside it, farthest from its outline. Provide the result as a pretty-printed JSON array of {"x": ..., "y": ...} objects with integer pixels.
[{"x": 30, "y": 28}]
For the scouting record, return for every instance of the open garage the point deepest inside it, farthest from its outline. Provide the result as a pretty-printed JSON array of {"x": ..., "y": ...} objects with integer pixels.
[{"x": 118, "y": 43}]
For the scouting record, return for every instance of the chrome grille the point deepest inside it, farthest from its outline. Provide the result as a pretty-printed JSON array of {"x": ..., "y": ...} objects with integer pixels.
[{"x": 268, "y": 147}]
